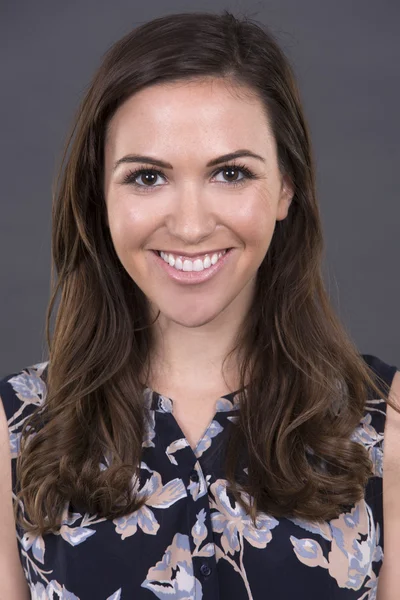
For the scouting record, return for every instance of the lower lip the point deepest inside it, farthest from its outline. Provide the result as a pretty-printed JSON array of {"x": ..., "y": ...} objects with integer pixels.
[{"x": 192, "y": 277}]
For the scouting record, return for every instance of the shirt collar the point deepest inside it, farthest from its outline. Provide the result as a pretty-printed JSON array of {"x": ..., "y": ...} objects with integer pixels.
[{"x": 156, "y": 401}]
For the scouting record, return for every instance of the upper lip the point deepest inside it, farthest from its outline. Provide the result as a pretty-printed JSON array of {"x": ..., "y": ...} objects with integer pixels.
[{"x": 199, "y": 253}]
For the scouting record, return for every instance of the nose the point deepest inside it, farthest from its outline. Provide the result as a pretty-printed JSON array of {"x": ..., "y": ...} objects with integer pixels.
[{"x": 190, "y": 216}]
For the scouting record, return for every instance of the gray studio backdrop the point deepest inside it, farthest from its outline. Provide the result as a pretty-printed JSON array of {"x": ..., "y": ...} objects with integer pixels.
[{"x": 346, "y": 57}]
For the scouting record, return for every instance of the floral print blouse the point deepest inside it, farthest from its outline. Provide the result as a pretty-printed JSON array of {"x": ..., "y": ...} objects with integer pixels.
[{"x": 191, "y": 540}]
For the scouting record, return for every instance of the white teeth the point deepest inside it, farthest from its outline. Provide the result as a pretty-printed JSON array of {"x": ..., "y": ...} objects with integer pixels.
[
  {"x": 207, "y": 262},
  {"x": 198, "y": 265},
  {"x": 189, "y": 265},
  {"x": 178, "y": 264}
]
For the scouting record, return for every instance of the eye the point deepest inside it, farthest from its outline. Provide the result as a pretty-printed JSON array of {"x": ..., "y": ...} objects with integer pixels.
[
  {"x": 148, "y": 176},
  {"x": 228, "y": 170}
]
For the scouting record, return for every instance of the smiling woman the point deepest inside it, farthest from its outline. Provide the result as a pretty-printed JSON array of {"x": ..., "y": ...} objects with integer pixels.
[
  {"x": 204, "y": 426},
  {"x": 196, "y": 209}
]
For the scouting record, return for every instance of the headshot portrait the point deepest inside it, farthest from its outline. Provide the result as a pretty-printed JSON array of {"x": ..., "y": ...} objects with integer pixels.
[{"x": 208, "y": 404}]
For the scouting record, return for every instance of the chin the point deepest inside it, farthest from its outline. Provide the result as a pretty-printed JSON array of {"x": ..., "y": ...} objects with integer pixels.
[
  {"x": 189, "y": 318},
  {"x": 192, "y": 322}
]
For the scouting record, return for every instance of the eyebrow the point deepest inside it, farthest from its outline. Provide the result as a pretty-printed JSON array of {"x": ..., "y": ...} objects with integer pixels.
[{"x": 134, "y": 158}]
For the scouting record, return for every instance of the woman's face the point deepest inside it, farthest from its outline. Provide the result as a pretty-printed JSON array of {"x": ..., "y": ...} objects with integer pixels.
[{"x": 189, "y": 209}]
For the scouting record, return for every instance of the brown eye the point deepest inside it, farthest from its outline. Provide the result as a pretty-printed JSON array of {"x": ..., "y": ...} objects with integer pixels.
[
  {"x": 229, "y": 171},
  {"x": 146, "y": 176}
]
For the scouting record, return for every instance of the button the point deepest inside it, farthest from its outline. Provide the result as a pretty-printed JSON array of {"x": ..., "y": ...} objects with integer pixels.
[
  {"x": 194, "y": 476},
  {"x": 205, "y": 569}
]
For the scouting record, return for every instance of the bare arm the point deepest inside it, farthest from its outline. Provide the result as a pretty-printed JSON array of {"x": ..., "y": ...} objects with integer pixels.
[
  {"x": 12, "y": 579},
  {"x": 389, "y": 577}
]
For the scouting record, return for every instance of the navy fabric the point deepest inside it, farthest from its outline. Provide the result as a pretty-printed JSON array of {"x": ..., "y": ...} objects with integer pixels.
[{"x": 191, "y": 540}]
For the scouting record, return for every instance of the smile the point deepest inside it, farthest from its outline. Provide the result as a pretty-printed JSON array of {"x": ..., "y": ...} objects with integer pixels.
[
  {"x": 185, "y": 271},
  {"x": 185, "y": 264}
]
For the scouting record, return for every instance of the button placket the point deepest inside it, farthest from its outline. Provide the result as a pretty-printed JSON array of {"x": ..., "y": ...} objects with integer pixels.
[
  {"x": 194, "y": 476},
  {"x": 205, "y": 569},
  {"x": 201, "y": 537}
]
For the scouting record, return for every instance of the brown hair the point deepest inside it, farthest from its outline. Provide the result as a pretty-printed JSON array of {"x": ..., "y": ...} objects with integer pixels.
[{"x": 306, "y": 382}]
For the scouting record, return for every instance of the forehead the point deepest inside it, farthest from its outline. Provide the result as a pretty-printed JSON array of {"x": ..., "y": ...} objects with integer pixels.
[{"x": 191, "y": 112}]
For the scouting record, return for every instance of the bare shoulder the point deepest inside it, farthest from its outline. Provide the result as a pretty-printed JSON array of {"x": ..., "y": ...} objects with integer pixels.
[
  {"x": 392, "y": 429},
  {"x": 12, "y": 579},
  {"x": 389, "y": 577}
]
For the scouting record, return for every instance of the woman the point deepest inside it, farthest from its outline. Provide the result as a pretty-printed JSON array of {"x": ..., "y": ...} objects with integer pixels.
[{"x": 204, "y": 427}]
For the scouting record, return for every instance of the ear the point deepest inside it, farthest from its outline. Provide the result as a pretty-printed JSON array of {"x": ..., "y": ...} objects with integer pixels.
[{"x": 285, "y": 199}]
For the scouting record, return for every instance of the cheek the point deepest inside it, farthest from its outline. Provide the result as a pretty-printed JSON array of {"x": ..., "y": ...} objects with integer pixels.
[
  {"x": 255, "y": 220},
  {"x": 132, "y": 221},
  {"x": 129, "y": 223}
]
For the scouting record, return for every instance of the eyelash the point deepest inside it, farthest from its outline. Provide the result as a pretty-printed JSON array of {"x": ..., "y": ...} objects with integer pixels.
[{"x": 248, "y": 174}]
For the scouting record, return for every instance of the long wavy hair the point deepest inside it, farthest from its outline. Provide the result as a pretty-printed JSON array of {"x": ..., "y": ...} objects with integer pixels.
[{"x": 306, "y": 383}]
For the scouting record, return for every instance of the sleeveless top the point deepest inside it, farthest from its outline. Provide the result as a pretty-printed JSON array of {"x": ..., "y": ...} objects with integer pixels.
[{"x": 191, "y": 540}]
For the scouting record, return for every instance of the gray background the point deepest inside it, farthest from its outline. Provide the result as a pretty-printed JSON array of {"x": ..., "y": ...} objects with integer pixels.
[{"x": 346, "y": 57}]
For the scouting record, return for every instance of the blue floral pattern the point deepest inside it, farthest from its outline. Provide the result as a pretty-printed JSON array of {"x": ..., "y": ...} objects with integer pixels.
[{"x": 192, "y": 540}]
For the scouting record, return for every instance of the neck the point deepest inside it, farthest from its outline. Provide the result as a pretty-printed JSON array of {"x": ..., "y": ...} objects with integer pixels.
[{"x": 192, "y": 357}]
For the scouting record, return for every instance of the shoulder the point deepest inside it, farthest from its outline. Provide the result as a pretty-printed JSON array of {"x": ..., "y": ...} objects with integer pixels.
[
  {"x": 391, "y": 460},
  {"x": 25, "y": 386},
  {"x": 392, "y": 450},
  {"x": 377, "y": 409},
  {"x": 20, "y": 393},
  {"x": 392, "y": 440},
  {"x": 389, "y": 578},
  {"x": 373, "y": 423},
  {"x": 382, "y": 369}
]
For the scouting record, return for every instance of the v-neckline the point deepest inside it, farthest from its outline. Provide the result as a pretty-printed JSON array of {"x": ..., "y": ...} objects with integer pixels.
[
  {"x": 226, "y": 406},
  {"x": 159, "y": 402}
]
